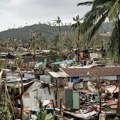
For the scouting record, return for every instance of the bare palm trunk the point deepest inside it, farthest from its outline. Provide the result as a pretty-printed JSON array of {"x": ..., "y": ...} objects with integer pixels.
[
  {"x": 34, "y": 55},
  {"x": 34, "y": 45},
  {"x": 59, "y": 32},
  {"x": 78, "y": 45}
]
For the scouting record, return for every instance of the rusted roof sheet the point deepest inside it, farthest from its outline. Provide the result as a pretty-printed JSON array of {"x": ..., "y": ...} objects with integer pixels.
[
  {"x": 111, "y": 102},
  {"x": 84, "y": 91},
  {"x": 101, "y": 71}
]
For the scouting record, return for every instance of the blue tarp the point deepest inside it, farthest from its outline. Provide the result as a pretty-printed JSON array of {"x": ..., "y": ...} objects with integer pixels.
[
  {"x": 39, "y": 65},
  {"x": 65, "y": 61},
  {"x": 68, "y": 61},
  {"x": 57, "y": 63},
  {"x": 75, "y": 78}
]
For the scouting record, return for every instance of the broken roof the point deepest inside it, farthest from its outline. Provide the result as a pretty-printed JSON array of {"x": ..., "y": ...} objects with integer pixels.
[
  {"x": 112, "y": 89},
  {"x": 18, "y": 79},
  {"x": 101, "y": 71}
]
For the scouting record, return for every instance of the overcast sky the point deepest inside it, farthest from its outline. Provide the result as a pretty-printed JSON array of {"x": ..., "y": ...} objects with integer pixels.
[{"x": 16, "y": 13}]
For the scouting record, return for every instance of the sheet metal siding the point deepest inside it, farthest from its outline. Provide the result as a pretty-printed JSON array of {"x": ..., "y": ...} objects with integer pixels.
[
  {"x": 45, "y": 78},
  {"x": 101, "y": 77},
  {"x": 69, "y": 98},
  {"x": 76, "y": 100},
  {"x": 34, "y": 96}
]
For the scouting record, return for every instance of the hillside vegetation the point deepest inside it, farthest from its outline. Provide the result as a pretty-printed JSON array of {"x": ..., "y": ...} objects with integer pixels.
[{"x": 49, "y": 31}]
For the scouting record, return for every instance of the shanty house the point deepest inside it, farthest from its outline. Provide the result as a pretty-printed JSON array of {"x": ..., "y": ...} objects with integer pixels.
[
  {"x": 105, "y": 73},
  {"x": 37, "y": 91},
  {"x": 58, "y": 77}
]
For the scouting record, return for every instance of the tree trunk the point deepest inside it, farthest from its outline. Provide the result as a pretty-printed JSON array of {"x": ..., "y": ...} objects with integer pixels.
[
  {"x": 78, "y": 45},
  {"x": 99, "y": 114},
  {"x": 118, "y": 106},
  {"x": 78, "y": 54},
  {"x": 21, "y": 106},
  {"x": 40, "y": 107},
  {"x": 22, "y": 90},
  {"x": 56, "y": 94},
  {"x": 100, "y": 103},
  {"x": 59, "y": 33}
]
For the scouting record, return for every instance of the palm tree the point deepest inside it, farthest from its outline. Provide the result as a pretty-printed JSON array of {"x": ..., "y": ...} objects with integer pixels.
[
  {"x": 102, "y": 9},
  {"x": 76, "y": 25},
  {"x": 33, "y": 45},
  {"x": 58, "y": 22}
]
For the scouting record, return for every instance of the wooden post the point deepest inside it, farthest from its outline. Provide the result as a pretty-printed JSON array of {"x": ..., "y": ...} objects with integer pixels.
[
  {"x": 53, "y": 104},
  {"x": 29, "y": 115},
  {"x": 56, "y": 94},
  {"x": 60, "y": 105},
  {"x": 40, "y": 107},
  {"x": 22, "y": 91}
]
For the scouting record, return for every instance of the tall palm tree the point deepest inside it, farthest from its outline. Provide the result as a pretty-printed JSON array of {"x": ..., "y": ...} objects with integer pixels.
[
  {"x": 58, "y": 22},
  {"x": 76, "y": 26},
  {"x": 102, "y": 9}
]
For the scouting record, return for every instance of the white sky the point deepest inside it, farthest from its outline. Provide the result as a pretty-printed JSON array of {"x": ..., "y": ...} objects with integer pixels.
[{"x": 16, "y": 13}]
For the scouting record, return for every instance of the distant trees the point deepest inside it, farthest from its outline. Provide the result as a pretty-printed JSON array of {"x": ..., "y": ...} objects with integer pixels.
[
  {"x": 55, "y": 41},
  {"x": 42, "y": 41},
  {"x": 33, "y": 45}
]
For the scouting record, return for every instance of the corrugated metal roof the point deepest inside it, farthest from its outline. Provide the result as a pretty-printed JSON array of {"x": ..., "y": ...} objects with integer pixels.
[
  {"x": 101, "y": 71},
  {"x": 18, "y": 85},
  {"x": 19, "y": 79},
  {"x": 58, "y": 74}
]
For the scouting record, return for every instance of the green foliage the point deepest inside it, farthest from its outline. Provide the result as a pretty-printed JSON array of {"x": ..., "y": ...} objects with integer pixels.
[
  {"x": 55, "y": 68},
  {"x": 112, "y": 116},
  {"x": 5, "y": 106},
  {"x": 45, "y": 117},
  {"x": 114, "y": 42},
  {"x": 42, "y": 42},
  {"x": 13, "y": 68},
  {"x": 100, "y": 10},
  {"x": 15, "y": 36},
  {"x": 58, "y": 22},
  {"x": 26, "y": 32}
]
